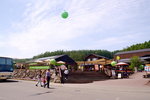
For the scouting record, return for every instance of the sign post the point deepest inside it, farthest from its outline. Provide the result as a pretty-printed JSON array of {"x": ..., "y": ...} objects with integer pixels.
[{"x": 147, "y": 70}]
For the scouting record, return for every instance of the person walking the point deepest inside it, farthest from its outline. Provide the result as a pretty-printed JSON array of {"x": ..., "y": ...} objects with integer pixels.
[
  {"x": 48, "y": 76},
  {"x": 39, "y": 76}
]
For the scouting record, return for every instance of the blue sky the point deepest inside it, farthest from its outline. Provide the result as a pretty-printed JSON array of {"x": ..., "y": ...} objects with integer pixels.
[{"x": 31, "y": 27}]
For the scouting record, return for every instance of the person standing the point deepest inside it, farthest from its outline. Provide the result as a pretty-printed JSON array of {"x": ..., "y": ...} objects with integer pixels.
[
  {"x": 48, "y": 76},
  {"x": 61, "y": 70},
  {"x": 66, "y": 72}
]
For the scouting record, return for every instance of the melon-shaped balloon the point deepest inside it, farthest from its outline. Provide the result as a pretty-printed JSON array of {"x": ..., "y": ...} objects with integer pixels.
[
  {"x": 64, "y": 15},
  {"x": 113, "y": 63},
  {"x": 53, "y": 61}
]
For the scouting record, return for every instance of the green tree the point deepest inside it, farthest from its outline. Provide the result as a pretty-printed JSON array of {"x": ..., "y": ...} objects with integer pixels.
[
  {"x": 79, "y": 55},
  {"x": 135, "y": 63},
  {"x": 138, "y": 46}
]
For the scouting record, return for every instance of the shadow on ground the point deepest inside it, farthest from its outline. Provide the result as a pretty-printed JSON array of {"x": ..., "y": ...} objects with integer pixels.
[
  {"x": 7, "y": 81},
  {"x": 86, "y": 77},
  {"x": 41, "y": 93}
]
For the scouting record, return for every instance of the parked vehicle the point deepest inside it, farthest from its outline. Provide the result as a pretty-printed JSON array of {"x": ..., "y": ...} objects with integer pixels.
[{"x": 6, "y": 68}]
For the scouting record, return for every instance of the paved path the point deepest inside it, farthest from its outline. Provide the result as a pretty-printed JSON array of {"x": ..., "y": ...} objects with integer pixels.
[
  {"x": 101, "y": 90},
  {"x": 135, "y": 80},
  {"x": 138, "y": 75}
]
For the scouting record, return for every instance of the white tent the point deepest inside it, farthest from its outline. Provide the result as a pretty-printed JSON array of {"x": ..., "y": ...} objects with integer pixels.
[{"x": 121, "y": 63}]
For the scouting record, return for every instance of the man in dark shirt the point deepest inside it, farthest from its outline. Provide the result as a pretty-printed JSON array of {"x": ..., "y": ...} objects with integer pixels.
[{"x": 48, "y": 76}]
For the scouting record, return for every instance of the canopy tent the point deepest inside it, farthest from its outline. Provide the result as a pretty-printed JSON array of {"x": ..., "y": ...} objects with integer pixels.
[
  {"x": 121, "y": 64},
  {"x": 63, "y": 58},
  {"x": 60, "y": 62}
]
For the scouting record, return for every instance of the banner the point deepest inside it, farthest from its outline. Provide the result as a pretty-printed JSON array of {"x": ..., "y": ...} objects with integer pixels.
[
  {"x": 39, "y": 67},
  {"x": 147, "y": 68}
]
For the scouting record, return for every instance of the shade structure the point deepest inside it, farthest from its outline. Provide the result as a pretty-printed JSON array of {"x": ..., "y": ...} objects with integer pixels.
[
  {"x": 61, "y": 62},
  {"x": 121, "y": 64},
  {"x": 65, "y": 58},
  {"x": 47, "y": 60}
]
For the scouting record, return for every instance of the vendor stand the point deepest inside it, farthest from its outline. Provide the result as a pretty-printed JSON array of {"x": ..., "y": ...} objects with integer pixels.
[{"x": 122, "y": 70}]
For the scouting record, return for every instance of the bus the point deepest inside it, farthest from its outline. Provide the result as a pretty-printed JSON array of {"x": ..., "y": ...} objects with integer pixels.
[{"x": 6, "y": 68}]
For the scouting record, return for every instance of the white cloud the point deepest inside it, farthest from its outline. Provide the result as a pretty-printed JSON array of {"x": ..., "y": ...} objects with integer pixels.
[
  {"x": 117, "y": 43},
  {"x": 42, "y": 28},
  {"x": 41, "y": 32}
]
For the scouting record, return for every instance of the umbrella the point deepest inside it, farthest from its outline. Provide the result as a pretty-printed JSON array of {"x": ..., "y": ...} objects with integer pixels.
[
  {"x": 60, "y": 63},
  {"x": 38, "y": 61},
  {"x": 121, "y": 63}
]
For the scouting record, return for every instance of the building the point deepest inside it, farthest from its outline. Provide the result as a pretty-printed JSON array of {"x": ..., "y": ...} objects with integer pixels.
[
  {"x": 143, "y": 54},
  {"x": 93, "y": 62},
  {"x": 65, "y": 58},
  {"x": 93, "y": 57},
  {"x": 44, "y": 63}
]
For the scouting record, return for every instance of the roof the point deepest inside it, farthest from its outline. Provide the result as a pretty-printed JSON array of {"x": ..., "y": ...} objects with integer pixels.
[
  {"x": 6, "y": 57},
  {"x": 51, "y": 57},
  {"x": 134, "y": 51},
  {"x": 64, "y": 58},
  {"x": 143, "y": 59},
  {"x": 100, "y": 61},
  {"x": 96, "y": 56}
]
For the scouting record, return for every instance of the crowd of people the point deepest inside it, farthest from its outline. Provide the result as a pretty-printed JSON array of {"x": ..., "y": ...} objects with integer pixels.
[{"x": 61, "y": 71}]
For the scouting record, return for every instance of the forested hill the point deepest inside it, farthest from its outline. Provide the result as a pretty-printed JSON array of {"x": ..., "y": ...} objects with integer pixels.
[
  {"x": 138, "y": 46},
  {"x": 78, "y": 55}
]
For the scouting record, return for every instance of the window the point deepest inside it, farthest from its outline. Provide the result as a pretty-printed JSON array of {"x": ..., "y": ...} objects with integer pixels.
[
  {"x": 2, "y": 61},
  {"x": 94, "y": 59},
  {"x": 9, "y": 62},
  {"x": 6, "y": 64},
  {"x": 89, "y": 59}
]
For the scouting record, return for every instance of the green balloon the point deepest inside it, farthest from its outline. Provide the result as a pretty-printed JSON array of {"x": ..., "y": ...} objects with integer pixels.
[
  {"x": 113, "y": 63},
  {"x": 53, "y": 61},
  {"x": 64, "y": 15}
]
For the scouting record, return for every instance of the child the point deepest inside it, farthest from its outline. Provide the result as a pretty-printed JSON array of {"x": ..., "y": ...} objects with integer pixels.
[
  {"x": 39, "y": 79},
  {"x": 44, "y": 81}
]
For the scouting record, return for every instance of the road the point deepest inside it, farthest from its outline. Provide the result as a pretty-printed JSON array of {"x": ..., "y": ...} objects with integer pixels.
[{"x": 26, "y": 90}]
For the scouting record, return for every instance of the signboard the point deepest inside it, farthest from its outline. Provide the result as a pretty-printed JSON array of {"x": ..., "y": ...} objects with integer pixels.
[
  {"x": 39, "y": 67},
  {"x": 147, "y": 68},
  {"x": 119, "y": 75},
  {"x": 96, "y": 67}
]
